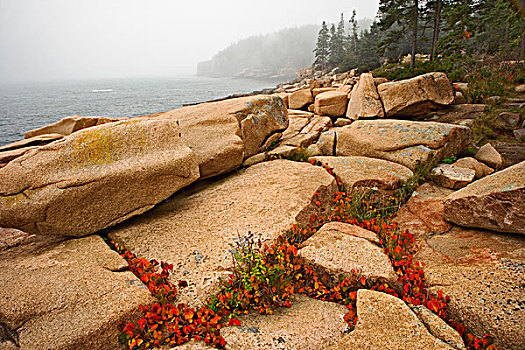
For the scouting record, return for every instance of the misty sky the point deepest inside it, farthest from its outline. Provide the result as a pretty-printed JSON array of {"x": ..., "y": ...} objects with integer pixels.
[{"x": 79, "y": 39}]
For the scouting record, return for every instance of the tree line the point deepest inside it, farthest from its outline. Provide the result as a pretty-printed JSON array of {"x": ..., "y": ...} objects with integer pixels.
[{"x": 432, "y": 27}]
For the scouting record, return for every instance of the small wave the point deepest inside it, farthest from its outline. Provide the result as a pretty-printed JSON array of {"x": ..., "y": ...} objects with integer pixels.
[{"x": 102, "y": 90}]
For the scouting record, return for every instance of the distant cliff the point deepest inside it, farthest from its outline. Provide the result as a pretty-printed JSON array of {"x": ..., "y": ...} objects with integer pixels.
[{"x": 277, "y": 55}]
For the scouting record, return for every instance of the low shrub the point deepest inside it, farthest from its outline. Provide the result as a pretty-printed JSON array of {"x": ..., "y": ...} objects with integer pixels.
[{"x": 265, "y": 277}]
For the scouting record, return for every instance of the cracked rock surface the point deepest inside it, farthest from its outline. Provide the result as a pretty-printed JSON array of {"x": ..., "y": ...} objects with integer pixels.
[
  {"x": 367, "y": 172},
  {"x": 495, "y": 202},
  {"x": 222, "y": 134},
  {"x": 416, "y": 96},
  {"x": 194, "y": 229},
  {"x": 308, "y": 325},
  {"x": 339, "y": 248},
  {"x": 386, "y": 322},
  {"x": 401, "y": 141},
  {"x": 68, "y": 295},
  {"x": 95, "y": 178}
]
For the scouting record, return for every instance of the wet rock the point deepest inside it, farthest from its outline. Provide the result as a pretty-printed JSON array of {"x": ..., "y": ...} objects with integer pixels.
[
  {"x": 309, "y": 324},
  {"x": 386, "y": 322},
  {"x": 451, "y": 176},
  {"x": 331, "y": 103},
  {"x": 367, "y": 172},
  {"x": 416, "y": 96},
  {"x": 400, "y": 141},
  {"x": 95, "y": 178},
  {"x": 265, "y": 199},
  {"x": 365, "y": 101},
  {"x": 69, "y": 295},
  {"x": 495, "y": 202},
  {"x": 337, "y": 251}
]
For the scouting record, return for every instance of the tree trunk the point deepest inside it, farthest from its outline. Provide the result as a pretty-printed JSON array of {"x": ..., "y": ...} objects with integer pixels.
[
  {"x": 437, "y": 19},
  {"x": 414, "y": 34}
]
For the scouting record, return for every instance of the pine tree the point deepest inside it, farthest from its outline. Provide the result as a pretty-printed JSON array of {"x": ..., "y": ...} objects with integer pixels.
[
  {"x": 353, "y": 34},
  {"x": 332, "y": 47},
  {"x": 459, "y": 25},
  {"x": 322, "y": 48},
  {"x": 399, "y": 18},
  {"x": 340, "y": 45},
  {"x": 437, "y": 6},
  {"x": 365, "y": 56}
]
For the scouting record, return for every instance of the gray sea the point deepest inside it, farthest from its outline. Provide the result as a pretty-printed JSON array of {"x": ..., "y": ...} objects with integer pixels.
[{"x": 27, "y": 106}]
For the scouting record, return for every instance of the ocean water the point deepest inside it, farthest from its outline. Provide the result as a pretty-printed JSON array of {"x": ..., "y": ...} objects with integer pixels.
[{"x": 27, "y": 106}]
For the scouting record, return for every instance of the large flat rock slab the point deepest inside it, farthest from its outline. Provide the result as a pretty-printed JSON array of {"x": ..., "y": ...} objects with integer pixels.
[
  {"x": 416, "y": 96},
  {"x": 308, "y": 325},
  {"x": 195, "y": 229},
  {"x": 70, "y": 295},
  {"x": 482, "y": 272},
  {"x": 386, "y": 322},
  {"x": 367, "y": 172},
  {"x": 401, "y": 141},
  {"x": 495, "y": 202},
  {"x": 222, "y": 134},
  {"x": 339, "y": 248},
  {"x": 95, "y": 178}
]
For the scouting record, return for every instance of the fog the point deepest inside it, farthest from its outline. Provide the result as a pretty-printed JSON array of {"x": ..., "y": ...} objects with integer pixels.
[{"x": 84, "y": 39}]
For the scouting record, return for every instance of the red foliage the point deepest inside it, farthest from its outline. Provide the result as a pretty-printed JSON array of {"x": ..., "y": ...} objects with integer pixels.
[{"x": 287, "y": 274}]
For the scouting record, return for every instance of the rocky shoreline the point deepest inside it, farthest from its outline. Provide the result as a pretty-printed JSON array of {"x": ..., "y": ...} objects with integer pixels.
[{"x": 183, "y": 186}]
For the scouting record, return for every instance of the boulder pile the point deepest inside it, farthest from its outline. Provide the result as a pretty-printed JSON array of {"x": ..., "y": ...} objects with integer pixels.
[{"x": 186, "y": 187}]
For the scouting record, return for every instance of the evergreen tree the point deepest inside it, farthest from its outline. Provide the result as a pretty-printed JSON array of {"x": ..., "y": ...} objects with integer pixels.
[
  {"x": 459, "y": 24},
  {"x": 398, "y": 18},
  {"x": 353, "y": 34},
  {"x": 437, "y": 6},
  {"x": 322, "y": 48},
  {"x": 340, "y": 45},
  {"x": 332, "y": 59},
  {"x": 365, "y": 57}
]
